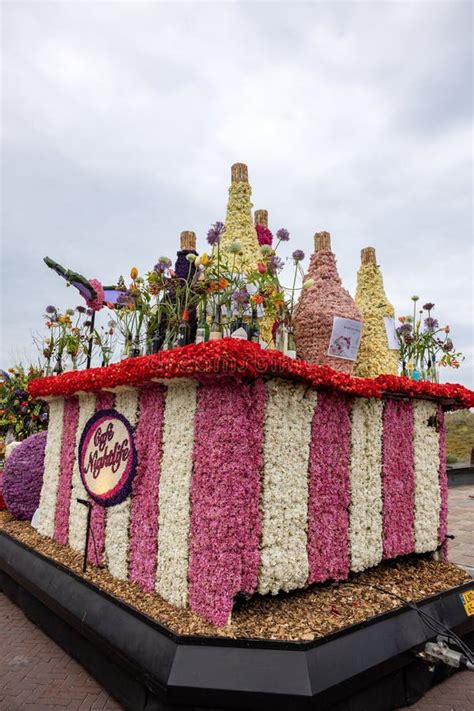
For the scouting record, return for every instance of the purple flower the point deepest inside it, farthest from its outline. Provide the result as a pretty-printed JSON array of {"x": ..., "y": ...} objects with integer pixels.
[
  {"x": 162, "y": 265},
  {"x": 81, "y": 309},
  {"x": 276, "y": 264},
  {"x": 215, "y": 232},
  {"x": 298, "y": 255},
  {"x": 405, "y": 328},
  {"x": 241, "y": 296},
  {"x": 448, "y": 346},
  {"x": 428, "y": 306},
  {"x": 431, "y": 323},
  {"x": 23, "y": 477},
  {"x": 51, "y": 309},
  {"x": 283, "y": 235}
]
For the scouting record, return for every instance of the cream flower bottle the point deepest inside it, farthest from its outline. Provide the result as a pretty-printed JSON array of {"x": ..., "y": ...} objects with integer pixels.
[
  {"x": 326, "y": 320},
  {"x": 239, "y": 225},
  {"x": 375, "y": 356}
]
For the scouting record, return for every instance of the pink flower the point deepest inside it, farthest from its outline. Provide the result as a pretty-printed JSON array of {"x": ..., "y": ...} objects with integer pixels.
[{"x": 97, "y": 303}]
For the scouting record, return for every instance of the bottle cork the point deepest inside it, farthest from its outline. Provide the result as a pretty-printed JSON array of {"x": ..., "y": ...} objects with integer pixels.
[
  {"x": 261, "y": 217},
  {"x": 188, "y": 240},
  {"x": 367, "y": 256},
  {"x": 239, "y": 173},
  {"x": 322, "y": 241}
]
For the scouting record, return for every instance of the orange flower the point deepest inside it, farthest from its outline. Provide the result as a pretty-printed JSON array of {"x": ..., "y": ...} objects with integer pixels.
[
  {"x": 133, "y": 273},
  {"x": 261, "y": 267},
  {"x": 256, "y": 299},
  {"x": 223, "y": 283},
  {"x": 402, "y": 319}
]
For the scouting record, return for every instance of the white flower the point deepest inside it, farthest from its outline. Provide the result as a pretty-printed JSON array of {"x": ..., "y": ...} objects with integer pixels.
[
  {"x": 365, "y": 516},
  {"x": 284, "y": 501},
  {"x": 52, "y": 466},
  {"x": 78, "y": 512},
  {"x": 426, "y": 461},
  {"x": 174, "y": 494}
]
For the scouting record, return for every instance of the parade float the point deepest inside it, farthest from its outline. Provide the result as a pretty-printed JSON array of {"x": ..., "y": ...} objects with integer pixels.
[{"x": 222, "y": 524}]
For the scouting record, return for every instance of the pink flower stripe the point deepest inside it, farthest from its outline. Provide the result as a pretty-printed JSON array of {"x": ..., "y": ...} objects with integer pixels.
[
  {"x": 328, "y": 499},
  {"x": 144, "y": 512},
  {"x": 68, "y": 445},
  {"x": 95, "y": 551},
  {"x": 443, "y": 484},
  {"x": 398, "y": 478},
  {"x": 225, "y": 518}
]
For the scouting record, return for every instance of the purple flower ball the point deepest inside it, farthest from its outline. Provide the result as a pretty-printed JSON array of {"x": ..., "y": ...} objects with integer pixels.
[
  {"x": 283, "y": 235},
  {"x": 298, "y": 255},
  {"x": 23, "y": 477},
  {"x": 215, "y": 232}
]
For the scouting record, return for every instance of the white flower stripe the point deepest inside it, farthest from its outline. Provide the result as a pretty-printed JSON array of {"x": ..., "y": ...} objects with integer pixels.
[
  {"x": 365, "y": 515},
  {"x": 52, "y": 465},
  {"x": 118, "y": 517},
  {"x": 174, "y": 492},
  {"x": 78, "y": 512},
  {"x": 427, "y": 492},
  {"x": 284, "y": 500}
]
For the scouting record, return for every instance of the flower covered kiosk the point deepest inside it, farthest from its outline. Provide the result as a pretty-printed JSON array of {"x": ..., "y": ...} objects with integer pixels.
[
  {"x": 253, "y": 473},
  {"x": 254, "y": 514}
]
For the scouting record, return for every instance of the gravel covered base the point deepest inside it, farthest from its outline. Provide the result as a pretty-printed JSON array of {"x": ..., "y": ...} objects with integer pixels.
[{"x": 304, "y": 615}]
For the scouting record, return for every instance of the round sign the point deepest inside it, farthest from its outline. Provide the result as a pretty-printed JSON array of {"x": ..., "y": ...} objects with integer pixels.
[{"x": 107, "y": 457}]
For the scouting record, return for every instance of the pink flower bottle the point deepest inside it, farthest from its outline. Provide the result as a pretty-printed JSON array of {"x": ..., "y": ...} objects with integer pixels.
[{"x": 323, "y": 300}]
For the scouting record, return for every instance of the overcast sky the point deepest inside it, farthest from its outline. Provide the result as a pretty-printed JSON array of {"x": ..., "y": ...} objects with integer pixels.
[{"x": 121, "y": 120}]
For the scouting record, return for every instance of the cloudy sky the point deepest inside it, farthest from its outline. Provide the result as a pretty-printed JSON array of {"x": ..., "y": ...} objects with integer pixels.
[{"x": 121, "y": 120}]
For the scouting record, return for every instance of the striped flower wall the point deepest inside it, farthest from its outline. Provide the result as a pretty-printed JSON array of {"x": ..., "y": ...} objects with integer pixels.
[{"x": 251, "y": 486}]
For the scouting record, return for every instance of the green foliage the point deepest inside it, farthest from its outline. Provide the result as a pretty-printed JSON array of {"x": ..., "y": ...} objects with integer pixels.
[
  {"x": 20, "y": 414},
  {"x": 460, "y": 435}
]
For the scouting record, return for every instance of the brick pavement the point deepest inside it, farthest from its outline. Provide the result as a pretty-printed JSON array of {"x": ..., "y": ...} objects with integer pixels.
[{"x": 36, "y": 674}]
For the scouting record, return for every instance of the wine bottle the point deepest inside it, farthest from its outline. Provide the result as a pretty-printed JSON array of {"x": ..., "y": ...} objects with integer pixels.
[
  {"x": 202, "y": 331},
  {"x": 281, "y": 338},
  {"x": 182, "y": 339},
  {"x": 378, "y": 352},
  {"x": 254, "y": 328},
  {"x": 216, "y": 326},
  {"x": 326, "y": 320},
  {"x": 290, "y": 350}
]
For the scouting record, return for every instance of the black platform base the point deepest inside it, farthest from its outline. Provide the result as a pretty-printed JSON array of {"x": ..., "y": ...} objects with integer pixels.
[{"x": 366, "y": 667}]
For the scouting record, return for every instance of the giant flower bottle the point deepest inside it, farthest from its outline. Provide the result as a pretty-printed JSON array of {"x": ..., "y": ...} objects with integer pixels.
[
  {"x": 240, "y": 227},
  {"x": 374, "y": 357},
  {"x": 319, "y": 304}
]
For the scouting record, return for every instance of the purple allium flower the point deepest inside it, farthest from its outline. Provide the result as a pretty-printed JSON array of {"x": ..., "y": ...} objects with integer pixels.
[
  {"x": 162, "y": 265},
  {"x": 215, "y": 232},
  {"x": 51, "y": 309},
  {"x": 405, "y": 328},
  {"x": 431, "y": 323},
  {"x": 428, "y": 306},
  {"x": 276, "y": 264},
  {"x": 298, "y": 255},
  {"x": 241, "y": 296},
  {"x": 283, "y": 235}
]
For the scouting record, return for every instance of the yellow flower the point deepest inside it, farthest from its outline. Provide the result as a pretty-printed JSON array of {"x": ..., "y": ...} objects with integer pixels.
[
  {"x": 204, "y": 259},
  {"x": 133, "y": 273}
]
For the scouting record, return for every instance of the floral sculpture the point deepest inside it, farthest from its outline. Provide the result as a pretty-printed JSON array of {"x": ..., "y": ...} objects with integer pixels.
[
  {"x": 220, "y": 503},
  {"x": 374, "y": 355},
  {"x": 23, "y": 477},
  {"x": 239, "y": 226},
  {"x": 319, "y": 304}
]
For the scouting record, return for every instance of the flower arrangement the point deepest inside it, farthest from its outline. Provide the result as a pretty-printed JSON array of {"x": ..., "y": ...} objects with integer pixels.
[
  {"x": 424, "y": 345},
  {"x": 20, "y": 414}
]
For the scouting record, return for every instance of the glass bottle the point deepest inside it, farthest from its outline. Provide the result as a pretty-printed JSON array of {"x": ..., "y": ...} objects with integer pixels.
[
  {"x": 216, "y": 326},
  {"x": 254, "y": 329},
  {"x": 281, "y": 338},
  {"x": 202, "y": 332},
  {"x": 183, "y": 337},
  {"x": 290, "y": 350}
]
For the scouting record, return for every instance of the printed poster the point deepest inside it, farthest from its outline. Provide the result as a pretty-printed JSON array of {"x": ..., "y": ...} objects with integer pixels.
[{"x": 345, "y": 338}]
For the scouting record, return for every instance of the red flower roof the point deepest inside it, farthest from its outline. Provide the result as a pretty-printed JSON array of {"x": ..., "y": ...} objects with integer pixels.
[{"x": 238, "y": 358}]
